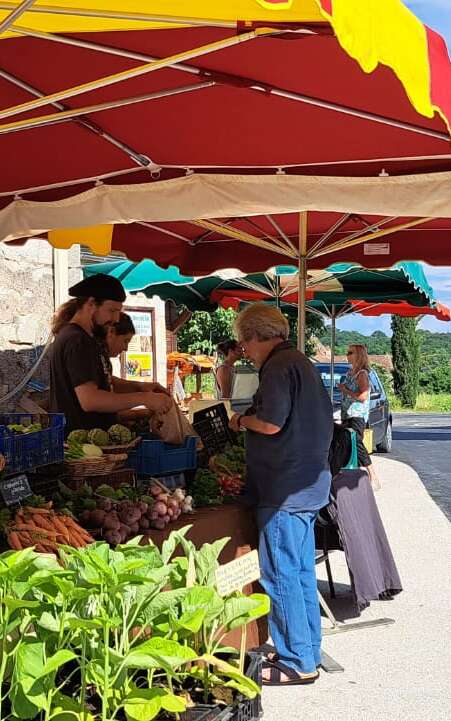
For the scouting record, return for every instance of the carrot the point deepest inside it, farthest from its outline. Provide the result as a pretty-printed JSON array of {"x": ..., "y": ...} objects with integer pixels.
[
  {"x": 43, "y": 522},
  {"x": 45, "y": 548},
  {"x": 25, "y": 527},
  {"x": 25, "y": 539},
  {"x": 39, "y": 511},
  {"x": 14, "y": 541},
  {"x": 60, "y": 527},
  {"x": 76, "y": 540}
]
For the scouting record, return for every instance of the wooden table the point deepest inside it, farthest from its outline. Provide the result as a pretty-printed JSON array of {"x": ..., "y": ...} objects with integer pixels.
[{"x": 210, "y": 524}]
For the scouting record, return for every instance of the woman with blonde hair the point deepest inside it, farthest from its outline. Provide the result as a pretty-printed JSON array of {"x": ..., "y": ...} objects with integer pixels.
[{"x": 355, "y": 404}]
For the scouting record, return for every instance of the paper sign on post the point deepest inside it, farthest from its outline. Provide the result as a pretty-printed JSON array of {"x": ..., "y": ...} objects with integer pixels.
[{"x": 235, "y": 575}]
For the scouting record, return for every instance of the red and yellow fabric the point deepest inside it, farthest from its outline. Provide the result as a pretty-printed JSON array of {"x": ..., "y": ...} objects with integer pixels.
[
  {"x": 386, "y": 32},
  {"x": 372, "y": 32}
]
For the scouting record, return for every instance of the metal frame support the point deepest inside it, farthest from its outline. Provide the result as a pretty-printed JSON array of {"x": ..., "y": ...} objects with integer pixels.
[
  {"x": 332, "y": 354},
  {"x": 302, "y": 279}
]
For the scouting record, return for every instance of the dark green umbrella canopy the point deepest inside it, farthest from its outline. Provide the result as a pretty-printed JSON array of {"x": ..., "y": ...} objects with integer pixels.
[{"x": 329, "y": 290}]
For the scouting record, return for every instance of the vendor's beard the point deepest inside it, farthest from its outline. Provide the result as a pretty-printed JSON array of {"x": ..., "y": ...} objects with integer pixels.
[{"x": 98, "y": 329}]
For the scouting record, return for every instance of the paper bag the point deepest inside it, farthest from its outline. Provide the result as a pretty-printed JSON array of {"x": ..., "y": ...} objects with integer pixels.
[{"x": 171, "y": 427}]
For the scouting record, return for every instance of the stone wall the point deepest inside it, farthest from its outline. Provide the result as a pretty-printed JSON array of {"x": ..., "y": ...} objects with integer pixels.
[{"x": 26, "y": 307}]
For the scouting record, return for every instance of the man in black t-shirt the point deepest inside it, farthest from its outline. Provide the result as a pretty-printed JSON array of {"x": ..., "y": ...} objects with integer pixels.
[{"x": 79, "y": 381}]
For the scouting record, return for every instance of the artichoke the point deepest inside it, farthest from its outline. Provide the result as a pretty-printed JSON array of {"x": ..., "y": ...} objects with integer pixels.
[
  {"x": 120, "y": 434},
  {"x": 98, "y": 437},
  {"x": 78, "y": 437}
]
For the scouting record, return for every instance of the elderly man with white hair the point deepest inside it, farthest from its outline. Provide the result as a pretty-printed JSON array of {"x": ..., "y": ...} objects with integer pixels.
[{"x": 289, "y": 432}]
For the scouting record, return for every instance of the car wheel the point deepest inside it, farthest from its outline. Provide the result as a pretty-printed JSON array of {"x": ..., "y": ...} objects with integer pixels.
[{"x": 386, "y": 445}]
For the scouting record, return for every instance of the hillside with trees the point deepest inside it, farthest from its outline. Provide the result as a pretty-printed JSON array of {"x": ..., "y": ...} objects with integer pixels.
[{"x": 435, "y": 354}]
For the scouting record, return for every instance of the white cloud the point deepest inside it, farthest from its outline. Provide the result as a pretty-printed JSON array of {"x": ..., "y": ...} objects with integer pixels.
[{"x": 439, "y": 277}]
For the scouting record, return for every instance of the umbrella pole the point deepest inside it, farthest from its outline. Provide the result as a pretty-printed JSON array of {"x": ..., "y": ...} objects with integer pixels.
[
  {"x": 332, "y": 354},
  {"x": 277, "y": 291},
  {"x": 302, "y": 279}
]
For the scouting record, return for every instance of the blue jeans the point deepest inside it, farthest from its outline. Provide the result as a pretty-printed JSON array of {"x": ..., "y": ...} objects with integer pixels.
[{"x": 287, "y": 561}]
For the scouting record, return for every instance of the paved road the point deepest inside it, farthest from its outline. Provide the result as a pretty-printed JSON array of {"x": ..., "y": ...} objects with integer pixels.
[{"x": 423, "y": 440}]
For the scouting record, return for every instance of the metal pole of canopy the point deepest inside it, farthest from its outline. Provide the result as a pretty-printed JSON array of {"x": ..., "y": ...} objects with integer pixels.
[
  {"x": 277, "y": 290},
  {"x": 332, "y": 354},
  {"x": 302, "y": 279}
]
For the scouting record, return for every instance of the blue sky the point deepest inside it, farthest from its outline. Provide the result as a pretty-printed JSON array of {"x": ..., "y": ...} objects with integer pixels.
[{"x": 436, "y": 14}]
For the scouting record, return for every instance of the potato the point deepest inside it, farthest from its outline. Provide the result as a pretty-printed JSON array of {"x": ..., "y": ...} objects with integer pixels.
[
  {"x": 134, "y": 529},
  {"x": 85, "y": 517},
  {"x": 125, "y": 530},
  {"x": 170, "y": 512},
  {"x": 143, "y": 507},
  {"x": 166, "y": 519},
  {"x": 98, "y": 518},
  {"x": 112, "y": 521},
  {"x": 113, "y": 536},
  {"x": 153, "y": 516},
  {"x": 144, "y": 523},
  {"x": 155, "y": 491},
  {"x": 105, "y": 504},
  {"x": 130, "y": 516},
  {"x": 159, "y": 524}
]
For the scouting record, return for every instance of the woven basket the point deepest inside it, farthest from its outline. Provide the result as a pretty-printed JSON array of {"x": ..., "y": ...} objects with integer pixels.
[{"x": 83, "y": 467}]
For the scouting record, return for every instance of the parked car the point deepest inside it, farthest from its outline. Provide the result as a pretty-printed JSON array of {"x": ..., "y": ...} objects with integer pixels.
[{"x": 380, "y": 419}]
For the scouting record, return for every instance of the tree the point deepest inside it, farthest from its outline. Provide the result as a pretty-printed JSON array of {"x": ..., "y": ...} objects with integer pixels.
[
  {"x": 405, "y": 345},
  {"x": 314, "y": 328},
  {"x": 205, "y": 330}
]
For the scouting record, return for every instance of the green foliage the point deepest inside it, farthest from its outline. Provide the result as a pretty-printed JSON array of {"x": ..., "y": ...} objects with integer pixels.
[
  {"x": 405, "y": 344},
  {"x": 205, "y": 330},
  {"x": 377, "y": 344},
  {"x": 314, "y": 328},
  {"x": 100, "y": 633}
]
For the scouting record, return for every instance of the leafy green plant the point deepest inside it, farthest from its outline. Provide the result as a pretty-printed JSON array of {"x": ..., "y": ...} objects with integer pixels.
[{"x": 107, "y": 635}]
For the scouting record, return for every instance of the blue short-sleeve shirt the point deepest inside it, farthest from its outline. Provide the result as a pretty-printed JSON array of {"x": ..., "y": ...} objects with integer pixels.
[{"x": 290, "y": 469}]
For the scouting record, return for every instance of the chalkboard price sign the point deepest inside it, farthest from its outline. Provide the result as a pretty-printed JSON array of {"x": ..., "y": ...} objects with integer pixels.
[{"x": 15, "y": 489}]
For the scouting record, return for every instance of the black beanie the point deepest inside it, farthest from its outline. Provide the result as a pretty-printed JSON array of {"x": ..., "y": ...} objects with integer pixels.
[{"x": 99, "y": 286}]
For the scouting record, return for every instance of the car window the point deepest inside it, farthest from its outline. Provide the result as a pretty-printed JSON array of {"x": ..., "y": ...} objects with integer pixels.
[{"x": 376, "y": 385}]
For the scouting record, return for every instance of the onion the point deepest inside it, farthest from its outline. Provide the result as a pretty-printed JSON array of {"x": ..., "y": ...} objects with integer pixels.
[
  {"x": 164, "y": 497},
  {"x": 160, "y": 508}
]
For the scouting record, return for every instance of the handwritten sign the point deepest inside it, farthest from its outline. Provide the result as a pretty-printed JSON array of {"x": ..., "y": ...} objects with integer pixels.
[
  {"x": 15, "y": 489},
  {"x": 235, "y": 575}
]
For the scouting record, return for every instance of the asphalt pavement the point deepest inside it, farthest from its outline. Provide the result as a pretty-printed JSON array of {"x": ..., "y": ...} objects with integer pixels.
[{"x": 423, "y": 440}]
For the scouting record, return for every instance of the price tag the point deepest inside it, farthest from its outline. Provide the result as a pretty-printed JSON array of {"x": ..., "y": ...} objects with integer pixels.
[
  {"x": 15, "y": 489},
  {"x": 235, "y": 575}
]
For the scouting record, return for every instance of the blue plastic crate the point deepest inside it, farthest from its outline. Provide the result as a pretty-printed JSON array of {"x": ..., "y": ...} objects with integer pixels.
[
  {"x": 155, "y": 458},
  {"x": 25, "y": 451}
]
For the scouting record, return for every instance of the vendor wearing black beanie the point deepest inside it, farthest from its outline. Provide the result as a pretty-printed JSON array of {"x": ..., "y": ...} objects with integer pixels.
[{"x": 80, "y": 381}]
